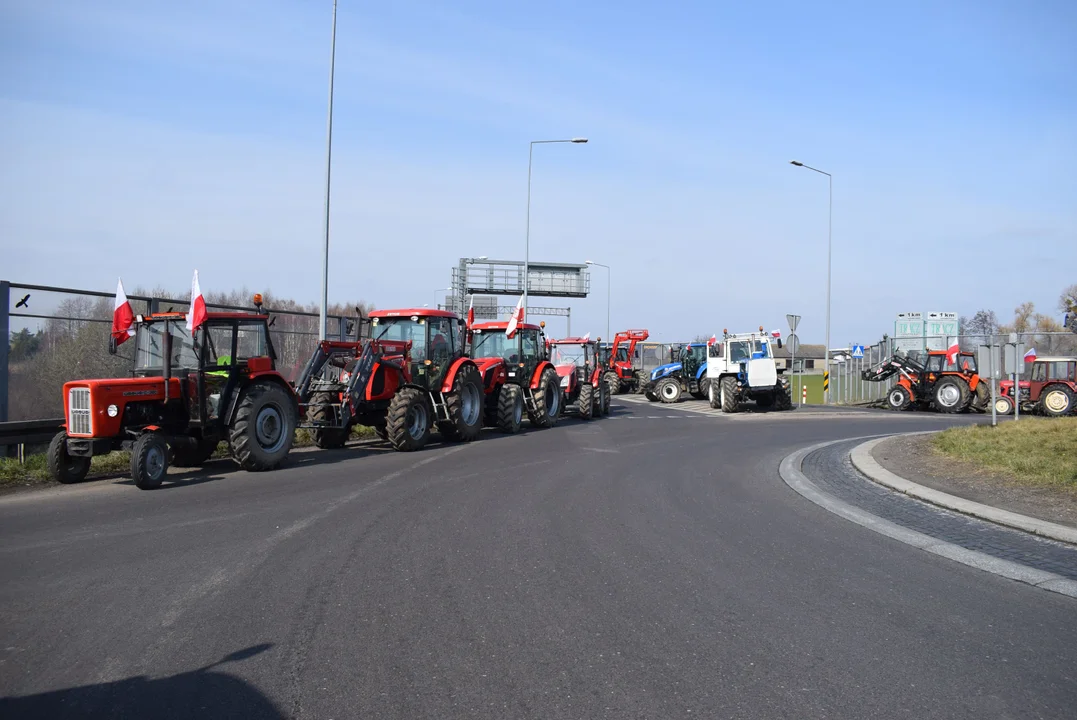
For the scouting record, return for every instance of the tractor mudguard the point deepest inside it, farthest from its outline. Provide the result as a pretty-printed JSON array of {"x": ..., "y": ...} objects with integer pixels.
[
  {"x": 450, "y": 377},
  {"x": 538, "y": 373},
  {"x": 663, "y": 370},
  {"x": 702, "y": 369}
]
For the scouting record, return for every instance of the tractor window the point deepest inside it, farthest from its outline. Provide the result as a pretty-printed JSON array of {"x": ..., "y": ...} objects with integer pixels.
[
  {"x": 622, "y": 354},
  {"x": 716, "y": 350},
  {"x": 965, "y": 363},
  {"x": 403, "y": 330},
  {"x": 493, "y": 344},
  {"x": 740, "y": 351},
  {"x": 218, "y": 340},
  {"x": 567, "y": 355},
  {"x": 1039, "y": 372},
  {"x": 251, "y": 341},
  {"x": 440, "y": 330},
  {"x": 1063, "y": 370},
  {"x": 150, "y": 343},
  {"x": 934, "y": 363},
  {"x": 529, "y": 339}
]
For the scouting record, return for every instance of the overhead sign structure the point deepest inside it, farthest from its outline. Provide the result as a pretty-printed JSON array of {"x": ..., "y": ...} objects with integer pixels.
[
  {"x": 858, "y": 351},
  {"x": 909, "y": 332},
  {"x": 938, "y": 328},
  {"x": 916, "y": 332}
]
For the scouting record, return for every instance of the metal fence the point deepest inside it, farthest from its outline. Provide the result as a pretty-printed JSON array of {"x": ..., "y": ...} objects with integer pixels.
[
  {"x": 847, "y": 385},
  {"x": 53, "y": 335}
]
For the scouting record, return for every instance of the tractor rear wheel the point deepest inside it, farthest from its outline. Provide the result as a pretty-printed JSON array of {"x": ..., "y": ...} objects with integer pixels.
[
  {"x": 951, "y": 395},
  {"x": 600, "y": 396},
  {"x": 381, "y": 432},
  {"x": 730, "y": 394},
  {"x": 606, "y": 401},
  {"x": 63, "y": 467},
  {"x": 321, "y": 411},
  {"x": 193, "y": 456},
  {"x": 714, "y": 395},
  {"x": 263, "y": 429},
  {"x": 613, "y": 380},
  {"x": 1056, "y": 401},
  {"x": 668, "y": 390},
  {"x": 701, "y": 393},
  {"x": 981, "y": 400},
  {"x": 465, "y": 406},
  {"x": 585, "y": 403},
  {"x": 547, "y": 400},
  {"x": 783, "y": 395},
  {"x": 510, "y": 409},
  {"x": 408, "y": 423},
  {"x": 898, "y": 398},
  {"x": 149, "y": 461}
]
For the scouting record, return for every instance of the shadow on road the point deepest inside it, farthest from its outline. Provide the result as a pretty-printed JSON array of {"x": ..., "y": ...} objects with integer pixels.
[{"x": 201, "y": 693}]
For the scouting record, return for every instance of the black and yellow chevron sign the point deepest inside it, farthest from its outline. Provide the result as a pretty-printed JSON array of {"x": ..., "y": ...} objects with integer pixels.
[{"x": 826, "y": 380}]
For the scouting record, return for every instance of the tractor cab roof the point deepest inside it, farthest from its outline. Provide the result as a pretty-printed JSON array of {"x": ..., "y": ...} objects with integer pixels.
[
  {"x": 210, "y": 316},
  {"x": 1055, "y": 359},
  {"x": 573, "y": 341},
  {"x": 502, "y": 325},
  {"x": 409, "y": 312}
]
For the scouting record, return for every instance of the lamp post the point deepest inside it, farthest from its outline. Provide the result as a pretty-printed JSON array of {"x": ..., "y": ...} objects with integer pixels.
[
  {"x": 438, "y": 302},
  {"x": 328, "y": 175},
  {"x": 608, "y": 274},
  {"x": 527, "y": 238},
  {"x": 829, "y": 245}
]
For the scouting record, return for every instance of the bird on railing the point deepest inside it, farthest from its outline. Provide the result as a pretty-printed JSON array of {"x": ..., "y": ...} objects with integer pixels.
[{"x": 22, "y": 303}]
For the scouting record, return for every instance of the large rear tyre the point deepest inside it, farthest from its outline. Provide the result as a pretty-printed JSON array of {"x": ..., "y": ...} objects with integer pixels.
[
  {"x": 408, "y": 423},
  {"x": 714, "y": 395},
  {"x": 547, "y": 400},
  {"x": 981, "y": 399},
  {"x": 951, "y": 395},
  {"x": 465, "y": 406},
  {"x": 701, "y": 393},
  {"x": 326, "y": 437},
  {"x": 585, "y": 404},
  {"x": 65, "y": 468},
  {"x": 899, "y": 398},
  {"x": 510, "y": 409},
  {"x": 730, "y": 397},
  {"x": 783, "y": 395},
  {"x": 263, "y": 429},
  {"x": 149, "y": 461},
  {"x": 1056, "y": 401},
  {"x": 668, "y": 390},
  {"x": 193, "y": 456}
]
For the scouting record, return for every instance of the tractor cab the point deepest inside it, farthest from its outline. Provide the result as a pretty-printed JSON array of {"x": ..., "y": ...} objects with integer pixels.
[
  {"x": 582, "y": 383},
  {"x": 618, "y": 357},
  {"x": 516, "y": 360},
  {"x": 424, "y": 343}
]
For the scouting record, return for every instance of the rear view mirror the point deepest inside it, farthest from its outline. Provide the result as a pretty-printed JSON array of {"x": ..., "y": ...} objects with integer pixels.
[{"x": 779, "y": 343}]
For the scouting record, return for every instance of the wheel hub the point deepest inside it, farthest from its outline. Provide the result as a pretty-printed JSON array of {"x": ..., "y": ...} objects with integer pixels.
[
  {"x": 949, "y": 396},
  {"x": 553, "y": 399},
  {"x": 669, "y": 390},
  {"x": 416, "y": 421},
  {"x": 1056, "y": 401},
  {"x": 155, "y": 463},
  {"x": 269, "y": 428},
  {"x": 470, "y": 407}
]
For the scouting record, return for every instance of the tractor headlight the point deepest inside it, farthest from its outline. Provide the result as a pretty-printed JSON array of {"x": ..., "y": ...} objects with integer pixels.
[
  {"x": 564, "y": 381},
  {"x": 113, "y": 411}
]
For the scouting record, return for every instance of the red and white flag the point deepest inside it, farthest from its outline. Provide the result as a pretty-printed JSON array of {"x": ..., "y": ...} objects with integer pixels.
[
  {"x": 516, "y": 319},
  {"x": 776, "y": 333},
  {"x": 1030, "y": 356},
  {"x": 587, "y": 336},
  {"x": 122, "y": 316},
  {"x": 471, "y": 313},
  {"x": 714, "y": 339},
  {"x": 951, "y": 353},
  {"x": 197, "y": 314}
]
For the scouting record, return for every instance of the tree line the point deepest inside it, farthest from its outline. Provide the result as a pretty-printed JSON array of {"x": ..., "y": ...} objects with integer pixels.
[{"x": 1045, "y": 330}]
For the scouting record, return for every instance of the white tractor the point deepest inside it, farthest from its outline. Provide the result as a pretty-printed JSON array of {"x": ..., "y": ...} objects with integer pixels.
[{"x": 741, "y": 367}]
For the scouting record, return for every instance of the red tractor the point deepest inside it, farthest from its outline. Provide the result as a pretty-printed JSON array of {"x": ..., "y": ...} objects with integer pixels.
[
  {"x": 950, "y": 387},
  {"x": 409, "y": 377},
  {"x": 621, "y": 376},
  {"x": 517, "y": 376},
  {"x": 582, "y": 383},
  {"x": 186, "y": 394},
  {"x": 1050, "y": 390}
]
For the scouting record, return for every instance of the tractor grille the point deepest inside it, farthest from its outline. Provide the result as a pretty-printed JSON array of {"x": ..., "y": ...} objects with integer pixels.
[{"x": 79, "y": 418}]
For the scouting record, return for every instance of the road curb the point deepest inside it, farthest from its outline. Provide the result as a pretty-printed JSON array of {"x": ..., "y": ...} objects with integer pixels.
[
  {"x": 792, "y": 475},
  {"x": 864, "y": 462}
]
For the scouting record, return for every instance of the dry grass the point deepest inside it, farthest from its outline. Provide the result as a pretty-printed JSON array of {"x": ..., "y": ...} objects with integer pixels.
[{"x": 1035, "y": 451}]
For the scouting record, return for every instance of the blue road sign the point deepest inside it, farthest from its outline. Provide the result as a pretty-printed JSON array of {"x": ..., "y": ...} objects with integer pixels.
[{"x": 858, "y": 351}]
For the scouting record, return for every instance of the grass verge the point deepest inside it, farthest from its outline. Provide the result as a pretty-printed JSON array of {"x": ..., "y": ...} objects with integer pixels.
[
  {"x": 1035, "y": 451},
  {"x": 35, "y": 472}
]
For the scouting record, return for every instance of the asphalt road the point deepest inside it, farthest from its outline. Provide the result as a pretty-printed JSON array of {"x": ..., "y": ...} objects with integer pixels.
[{"x": 648, "y": 565}]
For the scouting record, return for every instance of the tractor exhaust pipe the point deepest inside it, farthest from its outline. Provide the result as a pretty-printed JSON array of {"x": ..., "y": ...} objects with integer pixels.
[{"x": 166, "y": 350}]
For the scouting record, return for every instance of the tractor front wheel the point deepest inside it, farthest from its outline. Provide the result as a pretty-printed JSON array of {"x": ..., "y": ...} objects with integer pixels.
[
  {"x": 714, "y": 395},
  {"x": 547, "y": 400},
  {"x": 465, "y": 405},
  {"x": 898, "y": 398},
  {"x": 408, "y": 421},
  {"x": 703, "y": 383},
  {"x": 606, "y": 401},
  {"x": 951, "y": 395},
  {"x": 730, "y": 394},
  {"x": 1056, "y": 401},
  {"x": 63, "y": 467},
  {"x": 327, "y": 436},
  {"x": 668, "y": 390},
  {"x": 585, "y": 402},
  {"x": 1003, "y": 405},
  {"x": 263, "y": 429},
  {"x": 613, "y": 380},
  {"x": 149, "y": 461},
  {"x": 783, "y": 395},
  {"x": 510, "y": 409}
]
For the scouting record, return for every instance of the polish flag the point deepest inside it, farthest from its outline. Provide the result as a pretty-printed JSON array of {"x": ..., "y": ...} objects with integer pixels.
[
  {"x": 471, "y": 313},
  {"x": 197, "y": 314},
  {"x": 951, "y": 353},
  {"x": 122, "y": 316},
  {"x": 516, "y": 319},
  {"x": 714, "y": 339},
  {"x": 776, "y": 333},
  {"x": 1030, "y": 356},
  {"x": 587, "y": 336}
]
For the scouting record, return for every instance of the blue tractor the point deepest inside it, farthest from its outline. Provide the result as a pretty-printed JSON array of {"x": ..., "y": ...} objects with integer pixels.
[{"x": 688, "y": 375}]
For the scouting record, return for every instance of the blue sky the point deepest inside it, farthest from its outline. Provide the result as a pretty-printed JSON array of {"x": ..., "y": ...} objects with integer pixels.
[{"x": 155, "y": 137}]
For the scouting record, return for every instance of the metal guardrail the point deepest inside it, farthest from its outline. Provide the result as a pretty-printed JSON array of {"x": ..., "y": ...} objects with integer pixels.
[{"x": 27, "y": 432}]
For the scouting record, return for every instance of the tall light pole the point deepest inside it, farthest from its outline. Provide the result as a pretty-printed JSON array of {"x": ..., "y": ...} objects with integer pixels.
[
  {"x": 829, "y": 245},
  {"x": 438, "y": 302},
  {"x": 527, "y": 239},
  {"x": 328, "y": 176},
  {"x": 608, "y": 274}
]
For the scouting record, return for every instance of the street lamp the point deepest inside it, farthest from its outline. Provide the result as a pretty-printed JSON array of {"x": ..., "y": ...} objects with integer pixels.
[
  {"x": 527, "y": 238},
  {"x": 608, "y": 273},
  {"x": 829, "y": 244},
  {"x": 328, "y": 168},
  {"x": 441, "y": 290}
]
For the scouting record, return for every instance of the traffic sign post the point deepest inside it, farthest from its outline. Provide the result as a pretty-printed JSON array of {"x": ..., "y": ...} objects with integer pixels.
[
  {"x": 989, "y": 357},
  {"x": 1013, "y": 363}
]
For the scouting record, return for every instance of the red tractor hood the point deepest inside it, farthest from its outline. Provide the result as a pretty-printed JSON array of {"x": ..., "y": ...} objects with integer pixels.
[
  {"x": 487, "y": 363},
  {"x": 563, "y": 370}
]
